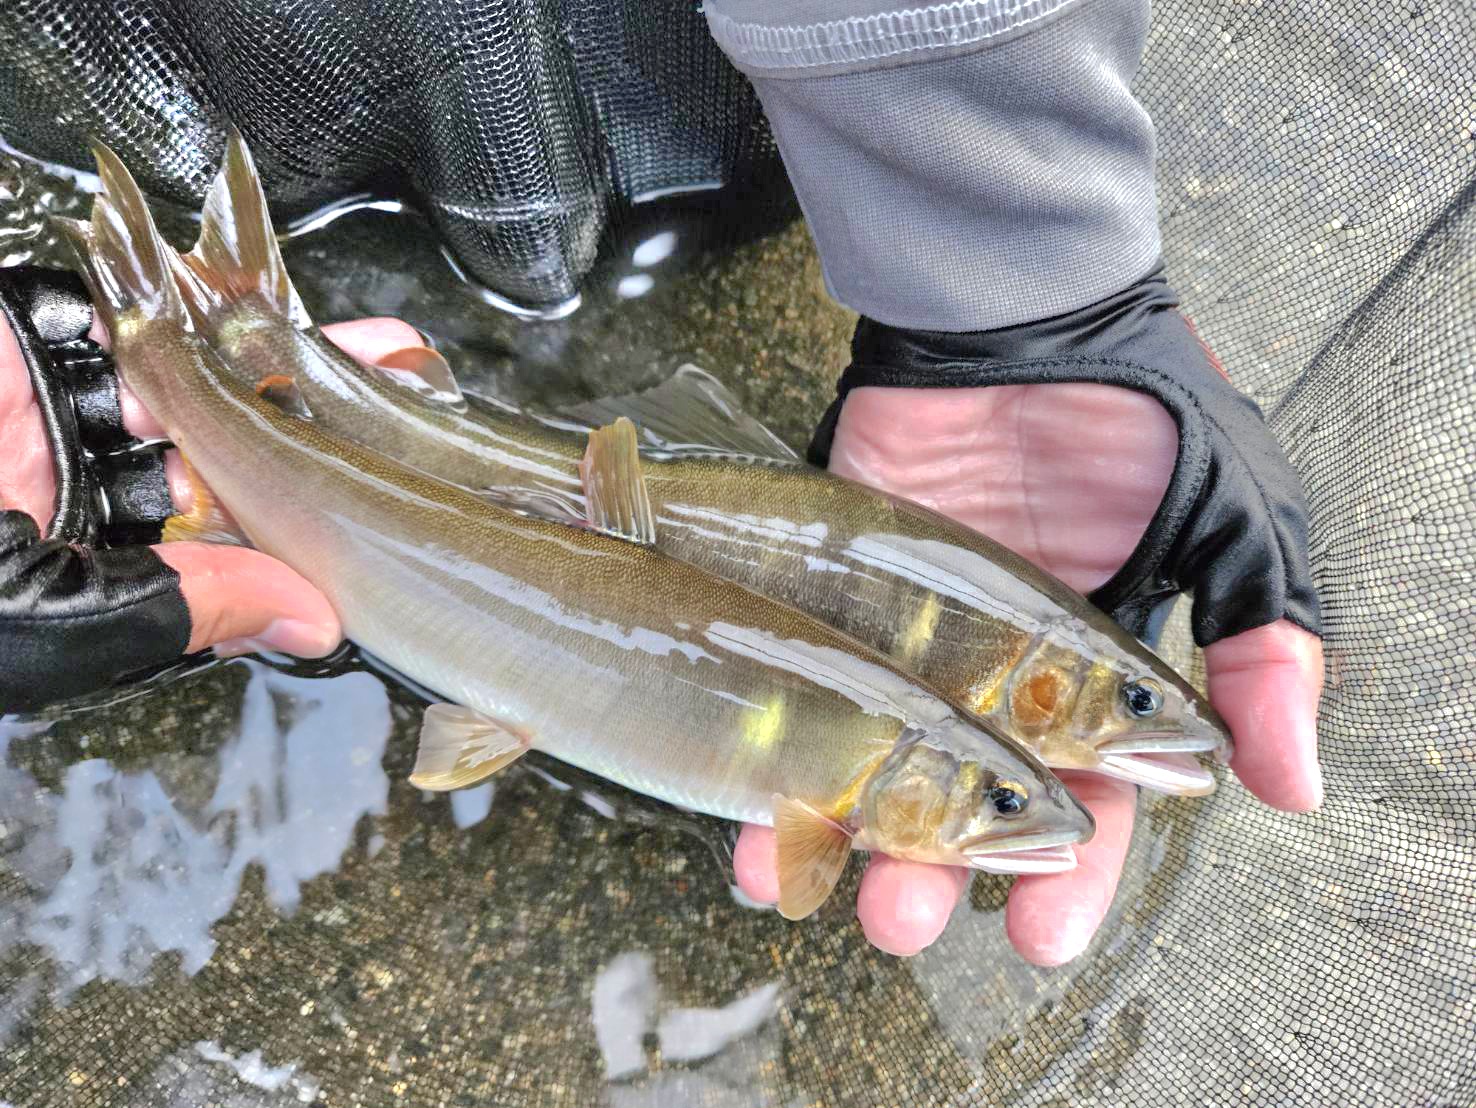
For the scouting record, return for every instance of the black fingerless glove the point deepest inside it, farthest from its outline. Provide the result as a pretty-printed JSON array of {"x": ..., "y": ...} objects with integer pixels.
[
  {"x": 74, "y": 619},
  {"x": 1232, "y": 527}
]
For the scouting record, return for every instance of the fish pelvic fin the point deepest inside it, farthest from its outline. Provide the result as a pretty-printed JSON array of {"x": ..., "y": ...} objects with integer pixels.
[
  {"x": 129, "y": 270},
  {"x": 616, "y": 500},
  {"x": 237, "y": 254},
  {"x": 460, "y": 747},
  {"x": 813, "y": 850},
  {"x": 206, "y": 521}
]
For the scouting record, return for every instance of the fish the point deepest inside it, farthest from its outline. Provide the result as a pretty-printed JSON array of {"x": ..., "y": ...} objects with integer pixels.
[
  {"x": 583, "y": 642},
  {"x": 985, "y": 627}
]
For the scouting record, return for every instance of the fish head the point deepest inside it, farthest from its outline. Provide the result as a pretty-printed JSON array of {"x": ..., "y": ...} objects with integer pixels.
[
  {"x": 1121, "y": 711},
  {"x": 957, "y": 794}
]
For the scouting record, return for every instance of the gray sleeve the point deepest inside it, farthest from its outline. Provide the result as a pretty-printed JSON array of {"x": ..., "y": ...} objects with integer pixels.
[{"x": 962, "y": 166}]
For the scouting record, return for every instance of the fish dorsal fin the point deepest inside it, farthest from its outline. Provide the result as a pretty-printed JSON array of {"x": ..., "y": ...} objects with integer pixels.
[
  {"x": 812, "y": 856},
  {"x": 689, "y": 413},
  {"x": 424, "y": 371},
  {"x": 206, "y": 521},
  {"x": 460, "y": 747},
  {"x": 282, "y": 391},
  {"x": 616, "y": 501},
  {"x": 237, "y": 254}
]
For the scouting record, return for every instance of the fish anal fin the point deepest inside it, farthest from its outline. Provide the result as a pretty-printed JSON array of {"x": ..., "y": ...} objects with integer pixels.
[
  {"x": 690, "y": 412},
  {"x": 207, "y": 520},
  {"x": 424, "y": 371},
  {"x": 460, "y": 747},
  {"x": 813, "y": 850},
  {"x": 282, "y": 390},
  {"x": 616, "y": 501}
]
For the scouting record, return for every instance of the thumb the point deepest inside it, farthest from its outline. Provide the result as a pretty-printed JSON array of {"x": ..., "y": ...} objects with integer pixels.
[{"x": 243, "y": 600}]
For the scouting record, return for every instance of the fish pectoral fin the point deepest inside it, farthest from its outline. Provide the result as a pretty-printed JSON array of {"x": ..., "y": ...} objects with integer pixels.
[
  {"x": 282, "y": 391},
  {"x": 206, "y": 521},
  {"x": 812, "y": 856},
  {"x": 460, "y": 747},
  {"x": 691, "y": 412},
  {"x": 423, "y": 371},
  {"x": 616, "y": 501},
  {"x": 537, "y": 503}
]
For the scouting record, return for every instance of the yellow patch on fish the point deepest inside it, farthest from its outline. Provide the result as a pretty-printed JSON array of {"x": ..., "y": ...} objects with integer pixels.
[
  {"x": 913, "y": 643},
  {"x": 762, "y": 730}
]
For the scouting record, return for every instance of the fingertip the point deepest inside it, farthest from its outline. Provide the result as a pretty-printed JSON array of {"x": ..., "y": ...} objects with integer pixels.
[
  {"x": 246, "y": 600},
  {"x": 1045, "y": 933},
  {"x": 904, "y": 906},
  {"x": 371, "y": 339},
  {"x": 756, "y": 863},
  {"x": 1051, "y": 918},
  {"x": 1267, "y": 683}
]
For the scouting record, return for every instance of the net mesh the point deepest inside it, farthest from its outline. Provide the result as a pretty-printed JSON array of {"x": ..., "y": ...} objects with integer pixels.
[
  {"x": 225, "y": 892},
  {"x": 516, "y": 125}
]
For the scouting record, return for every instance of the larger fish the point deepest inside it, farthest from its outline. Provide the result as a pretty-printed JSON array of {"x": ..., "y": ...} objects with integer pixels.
[
  {"x": 971, "y": 618},
  {"x": 600, "y": 651}
]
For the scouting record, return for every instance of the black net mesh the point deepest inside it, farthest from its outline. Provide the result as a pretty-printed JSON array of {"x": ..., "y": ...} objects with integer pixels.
[
  {"x": 515, "y": 125},
  {"x": 224, "y": 892}
]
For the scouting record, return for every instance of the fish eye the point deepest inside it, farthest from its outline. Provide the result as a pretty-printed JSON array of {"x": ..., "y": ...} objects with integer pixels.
[
  {"x": 1143, "y": 697},
  {"x": 1008, "y": 798}
]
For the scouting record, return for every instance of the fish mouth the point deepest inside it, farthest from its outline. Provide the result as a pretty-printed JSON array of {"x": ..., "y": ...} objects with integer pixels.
[
  {"x": 1043, "y": 852},
  {"x": 1165, "y": 772},
  {"x": 1169, "y": 742}
]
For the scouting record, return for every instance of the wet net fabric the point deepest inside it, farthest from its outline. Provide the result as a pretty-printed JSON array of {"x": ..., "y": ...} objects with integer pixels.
[
  {"x": 226, "y": 892},
  {"x": 516, "y": 126}
]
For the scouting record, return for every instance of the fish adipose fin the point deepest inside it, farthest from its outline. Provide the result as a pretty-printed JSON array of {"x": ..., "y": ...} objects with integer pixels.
[
  {"x": 124, "y": 261},
  {"x": 812, "y": 856},
  {"x": 282, "y": 391},
  {"x": 460, "y": 747},
  {"x": 424, "y": 372},
  {"x": 616, "y": 501},
  {"x": 206, "y": 521},
  {"x": 237, "y": 254},
  {"x": 689, "y": 413}
]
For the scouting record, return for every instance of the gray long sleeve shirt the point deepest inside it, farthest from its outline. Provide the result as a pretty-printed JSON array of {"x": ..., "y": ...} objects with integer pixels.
[{"x": 962, "y": 166}]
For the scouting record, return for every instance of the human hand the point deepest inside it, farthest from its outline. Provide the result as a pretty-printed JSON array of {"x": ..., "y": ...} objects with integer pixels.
[
  {"x": 234, "y": 599},
  {"x": 1068, "y": 475}
]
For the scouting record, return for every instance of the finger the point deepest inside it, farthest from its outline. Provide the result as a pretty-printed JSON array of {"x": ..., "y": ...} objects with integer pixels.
[
  {"x": 1266, "y": 682},
  {"x": 756, "y": 864},
  {"x": 27, "y": 479},
  {"x": 904, "y": 906},
  {"x": 372, "y": 339},
  {"x": 1050, "y": 918},
  {"x": 243, "y": 600}
]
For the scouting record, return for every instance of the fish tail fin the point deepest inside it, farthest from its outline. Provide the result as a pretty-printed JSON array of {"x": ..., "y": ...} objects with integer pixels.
[
  {"x": 77, "y": 234},
  {"x": 202, "y": 300},
  {"x": 128, "y": 260},
  {"x": 237, "y": 254}
]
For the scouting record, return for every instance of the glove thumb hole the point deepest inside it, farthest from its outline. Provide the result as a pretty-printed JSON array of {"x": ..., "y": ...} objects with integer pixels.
[{"x": 242, "y": 600}]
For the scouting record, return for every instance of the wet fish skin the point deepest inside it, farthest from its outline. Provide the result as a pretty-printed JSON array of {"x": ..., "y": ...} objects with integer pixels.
[
  {"x": 604, "y": 653},
  {"x": 971, "y": 618}
]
